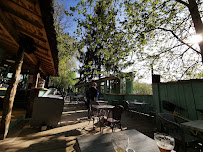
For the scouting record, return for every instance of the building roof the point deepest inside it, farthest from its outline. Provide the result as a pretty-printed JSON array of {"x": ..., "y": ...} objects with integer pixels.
[{"x": 32, "y": 18}]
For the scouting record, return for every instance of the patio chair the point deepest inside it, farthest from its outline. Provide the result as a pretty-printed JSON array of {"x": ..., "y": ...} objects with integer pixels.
[
  {"x": 115, "y": 102},
  {"x": 95, "y": 113},
  {"x": 116, "y": 117},
  {"x": 171, "y": 124}
]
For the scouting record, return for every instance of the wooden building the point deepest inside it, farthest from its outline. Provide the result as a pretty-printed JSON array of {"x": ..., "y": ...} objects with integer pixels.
[{"x": 27, "y": 45}]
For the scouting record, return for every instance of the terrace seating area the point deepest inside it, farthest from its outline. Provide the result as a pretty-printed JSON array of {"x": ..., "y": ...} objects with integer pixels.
[{"x": 74, "y": 123}]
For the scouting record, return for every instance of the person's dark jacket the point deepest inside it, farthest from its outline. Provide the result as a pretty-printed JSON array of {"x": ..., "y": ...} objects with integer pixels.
[{"x": 92, "y": 93}]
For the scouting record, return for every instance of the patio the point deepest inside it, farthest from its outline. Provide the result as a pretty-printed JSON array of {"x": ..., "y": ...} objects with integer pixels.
[{"x": 74, "y": 123}]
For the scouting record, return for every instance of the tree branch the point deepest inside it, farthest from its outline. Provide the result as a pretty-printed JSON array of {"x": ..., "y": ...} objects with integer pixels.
[
  {"x": 179, "y": 39},
  {"x": 182, "y": 2},
  {"x": 188, "y": 69}
]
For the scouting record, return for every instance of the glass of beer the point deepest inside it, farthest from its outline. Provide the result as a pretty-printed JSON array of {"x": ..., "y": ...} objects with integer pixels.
[
  {"x": 120, "y": 141},
  {"x": 165, "y": 142}
]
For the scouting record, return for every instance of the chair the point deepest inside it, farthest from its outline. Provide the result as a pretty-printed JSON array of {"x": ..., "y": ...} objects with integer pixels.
[
  {"x": 171, "y": 124},
  {"x": 114, "y": 102},
  {"x": 116, "y": 117},
  {"x": 95, "y": 113}
]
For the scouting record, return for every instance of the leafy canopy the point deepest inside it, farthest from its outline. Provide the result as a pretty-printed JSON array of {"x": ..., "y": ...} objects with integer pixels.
[
  {"x": 67, "y": 50},
  {"x": 105, "y": 48},
  {"x": 160, "y": 32}
]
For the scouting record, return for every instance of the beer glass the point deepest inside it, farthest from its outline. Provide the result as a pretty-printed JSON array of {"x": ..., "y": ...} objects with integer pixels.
[
  {"x": 165, "y": 142},
  {"x": 120, "y": 142}
]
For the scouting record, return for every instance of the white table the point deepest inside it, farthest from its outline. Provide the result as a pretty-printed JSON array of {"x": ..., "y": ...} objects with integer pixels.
[
  {"x": 139, "y": 103},
  {"x": 195, "y": 125},
  {"x": 138, "y": 106},
  {"x": 102, "y": 143},
  {"x": 99, "y": 107},
  {"x": 101, "y": 102}
]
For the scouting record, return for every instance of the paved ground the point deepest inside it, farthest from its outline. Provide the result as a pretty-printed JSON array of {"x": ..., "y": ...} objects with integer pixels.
[{"x": 74, "y": 123}]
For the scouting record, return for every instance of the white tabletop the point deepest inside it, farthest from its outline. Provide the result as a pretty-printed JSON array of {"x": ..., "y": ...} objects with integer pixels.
[
  {"x": 102, "y": 143},
  {"x": 139, "y": 103},
  {"x": 196, "y": 125},
  {"x": 101, "y": 101},
  {"x": 103, "y": 106}
]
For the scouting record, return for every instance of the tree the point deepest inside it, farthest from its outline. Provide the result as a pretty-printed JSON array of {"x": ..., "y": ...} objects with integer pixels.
[
  {"x": 67, "y": 50},
  {"x": 105, "y": 47},
  {"x": 160, "y": 30},
  {"x": 157, "y": 33},
  {"x": 142, "y": 88}
]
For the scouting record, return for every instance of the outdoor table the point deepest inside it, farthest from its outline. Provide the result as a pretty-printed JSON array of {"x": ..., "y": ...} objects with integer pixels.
[
  {"x": 140, "y": 104},
  {"x": 103, "y": 107},
  {"x": 102, "y": 142},
  {"x": 101, "y": 102},
  {"x": 196, "y": 125}
]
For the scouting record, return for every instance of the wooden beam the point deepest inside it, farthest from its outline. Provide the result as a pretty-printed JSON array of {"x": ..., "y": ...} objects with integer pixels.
[
  {"x": 22, "y": 13},
  {"x": 5, "y": 37},
  {"x": 8, "y": 27},
  {"x": 42, "y": 51},
  {"x": 34, "y": 36},
  {"x": 43, "y": 56},
  {"x": 8, "y": 42},
  {"x": 41, "y": 47},
  {"x": 34, "y": 59},
  {"x": 14, "y": 35}
]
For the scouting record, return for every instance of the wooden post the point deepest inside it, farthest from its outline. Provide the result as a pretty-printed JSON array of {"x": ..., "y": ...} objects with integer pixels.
[
  {"x": 36, "y": 75},
  {"x": 10, "y": 95},
  {"x": 25, "y": 44},
  {"x": 33, "y": 92}
]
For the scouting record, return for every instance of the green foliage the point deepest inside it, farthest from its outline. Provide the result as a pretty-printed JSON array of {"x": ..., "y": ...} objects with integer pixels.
[
  {"x": 142, "y": 88},
  {"x": 106, "y": 49},
  {"x": 159, "y": 31},
  {"x": 64, "y": 81},
  {"x": 67, "y": 50},
  {"x": 155, "y": 32}
]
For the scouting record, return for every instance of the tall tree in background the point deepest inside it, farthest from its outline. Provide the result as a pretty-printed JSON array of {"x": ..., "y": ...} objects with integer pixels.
[
  {"x": 105, "y": 47},
  {"x": 67, "y": 51},
  {"x": 142, "y": 88},
  {"x": 161, "y": 32}
]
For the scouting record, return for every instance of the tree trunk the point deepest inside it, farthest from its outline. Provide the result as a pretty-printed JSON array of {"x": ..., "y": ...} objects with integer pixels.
[
  {"x": 10, "y": 95},
  {"x": 193, "y": 8}
]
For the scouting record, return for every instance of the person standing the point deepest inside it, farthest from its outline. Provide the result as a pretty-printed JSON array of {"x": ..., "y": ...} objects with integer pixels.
[{"x": 91, "y": 95}]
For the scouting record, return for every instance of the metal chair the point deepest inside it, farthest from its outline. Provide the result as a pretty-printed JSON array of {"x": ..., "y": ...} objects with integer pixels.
[
  {"x": 171, "y": 124},
  {"x": 116, "y": 117},
  {"x": 94, "y": 113}
]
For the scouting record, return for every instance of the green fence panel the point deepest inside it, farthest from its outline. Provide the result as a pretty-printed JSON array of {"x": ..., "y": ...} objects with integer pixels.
[
  {"x": 163, "y": 95},
  {"x": 156, "y": 97},
  {"x": 190, "y": 101},
  {"x": 197, "y": 87}
]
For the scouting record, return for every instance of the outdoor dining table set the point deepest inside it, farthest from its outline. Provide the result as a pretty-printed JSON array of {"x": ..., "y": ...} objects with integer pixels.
[
  {"x": 137, "y": 142},
  {"x": 104, "y": 111}
]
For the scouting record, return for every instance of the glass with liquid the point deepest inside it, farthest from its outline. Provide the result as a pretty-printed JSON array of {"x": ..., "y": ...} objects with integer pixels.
[
  {"x": 120, "y": 141},
  {"x": 165, "y": 142}
]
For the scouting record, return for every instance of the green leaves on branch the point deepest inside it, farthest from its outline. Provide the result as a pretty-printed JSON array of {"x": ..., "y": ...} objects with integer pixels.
[{"x": 105, "y": 45}]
